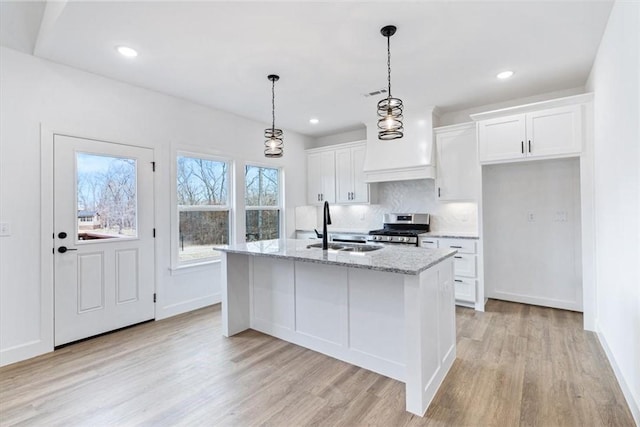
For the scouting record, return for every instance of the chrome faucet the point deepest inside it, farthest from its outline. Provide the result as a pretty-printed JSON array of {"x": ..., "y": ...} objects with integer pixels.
[{"x": 326, "y": 220}]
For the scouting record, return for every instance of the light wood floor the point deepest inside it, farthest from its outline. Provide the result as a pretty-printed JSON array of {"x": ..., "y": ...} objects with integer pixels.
[{"x": 517, "y": 365}]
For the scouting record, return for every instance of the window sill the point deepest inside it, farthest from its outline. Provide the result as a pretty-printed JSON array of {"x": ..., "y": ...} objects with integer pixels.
[{"x": 195, "y": 267}]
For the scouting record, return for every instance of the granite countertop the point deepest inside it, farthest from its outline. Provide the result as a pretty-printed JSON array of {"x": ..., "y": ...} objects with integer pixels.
[
  {"x": 450, "y": 235},
  {"x": 391, "y": 258}
]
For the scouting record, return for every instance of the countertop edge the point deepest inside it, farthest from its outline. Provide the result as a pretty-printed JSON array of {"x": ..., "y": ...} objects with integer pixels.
[{"x": 340, "y": 263}]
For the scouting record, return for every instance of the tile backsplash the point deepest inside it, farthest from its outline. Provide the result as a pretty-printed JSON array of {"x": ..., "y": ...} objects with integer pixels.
[{"x": 415, "y": 196}]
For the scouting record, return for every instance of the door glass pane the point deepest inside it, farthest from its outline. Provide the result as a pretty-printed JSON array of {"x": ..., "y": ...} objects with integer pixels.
[
  {"x": 199, "y": 231},
  {"x": 106, "y": 197},
  {"x": 262, "y": 224}
]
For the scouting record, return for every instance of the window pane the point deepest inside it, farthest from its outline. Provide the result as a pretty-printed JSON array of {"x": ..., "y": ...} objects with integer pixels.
[
  {"x": 199, "y": 231},
  {"x": 261, "y": 186},
  {"x": 263, "y": 225},
  {"x": 106, "y": 197},
  {"x": 202, "y": 182}
]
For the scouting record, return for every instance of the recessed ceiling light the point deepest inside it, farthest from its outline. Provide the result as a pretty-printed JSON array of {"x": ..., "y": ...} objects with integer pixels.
[
  {"x": 505, "y": 75},
  {"x": 127, "y": 51},
  {"x": 314, "y": 121}
]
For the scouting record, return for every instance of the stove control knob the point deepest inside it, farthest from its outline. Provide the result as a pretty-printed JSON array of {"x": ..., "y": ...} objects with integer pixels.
[
  {"x": 404, "y": 239},
  {"x": 388, "y": 238}
]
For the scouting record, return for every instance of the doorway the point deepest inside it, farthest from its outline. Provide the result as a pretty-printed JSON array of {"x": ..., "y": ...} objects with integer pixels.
[{"x": 103, "y": 236}]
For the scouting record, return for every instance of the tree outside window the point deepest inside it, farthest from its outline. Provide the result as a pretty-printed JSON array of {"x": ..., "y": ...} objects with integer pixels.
[
  {"x": 203, "y": 207},
  {"x": 262, "y": 203}
]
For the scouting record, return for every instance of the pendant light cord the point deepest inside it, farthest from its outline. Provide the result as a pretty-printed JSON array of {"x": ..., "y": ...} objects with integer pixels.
[
  {"x": 273, "y": 105},
  {"x": 389, "y": 64}
]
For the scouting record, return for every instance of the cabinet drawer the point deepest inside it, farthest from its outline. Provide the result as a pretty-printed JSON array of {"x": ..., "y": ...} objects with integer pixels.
[
  {"x": 465, "y": 265},
  {"x": 429, "y": 243},
  {"x": 463, "y": 246},
  {"x": 465, "y": 289}
]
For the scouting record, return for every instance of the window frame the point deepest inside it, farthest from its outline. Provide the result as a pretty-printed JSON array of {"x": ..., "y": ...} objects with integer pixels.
[
  {"x": 279, "y": 207},
  {"x": 229, "y": 207}
]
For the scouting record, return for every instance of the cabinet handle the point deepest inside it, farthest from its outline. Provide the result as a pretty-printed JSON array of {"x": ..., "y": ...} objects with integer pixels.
[
  {"x": 522, "y": 146},
  {"x": 350, "y": 196},
  {"x": 529, "y": 146},
  {"x": 455, "y": 247},
  {"x": 458, "y": 280},
  {"x": 322, "y": 197},
  {"x": 438, "y": 191},
  {"x": 427, "y": 241},
  {"x": 318, "y": 196},
  {"x": 459, "y": 257}
]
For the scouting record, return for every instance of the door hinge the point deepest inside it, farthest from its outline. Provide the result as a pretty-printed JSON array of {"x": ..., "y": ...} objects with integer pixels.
[
  {"x": 154, "y": 297},
  {"x": 153, "y": 166},
  {"x": 154, "y": 233}
]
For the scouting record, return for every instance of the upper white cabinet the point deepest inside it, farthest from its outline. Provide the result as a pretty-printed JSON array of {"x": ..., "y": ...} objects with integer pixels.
[
  {"x": 336, "y": 174},
  {"x": 350, "y": 181},
  {"x": 546, "y": 133},
  {"x": 458, "y": 171},
  {"x": 321, "y": 177}
]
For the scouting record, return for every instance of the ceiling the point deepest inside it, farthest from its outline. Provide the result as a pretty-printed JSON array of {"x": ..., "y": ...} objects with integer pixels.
[{"x": 328, "y": 54}]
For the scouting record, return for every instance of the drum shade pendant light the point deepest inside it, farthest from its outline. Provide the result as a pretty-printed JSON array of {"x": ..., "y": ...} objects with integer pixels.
[
  {"x": 390, "y": 108},
  {"x": 273, "y": 145}
]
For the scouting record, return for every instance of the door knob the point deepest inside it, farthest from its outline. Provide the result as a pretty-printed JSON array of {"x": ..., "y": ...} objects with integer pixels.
[
  {"x": 62, "y": 235},
  {"x": 63, "y": 249}
]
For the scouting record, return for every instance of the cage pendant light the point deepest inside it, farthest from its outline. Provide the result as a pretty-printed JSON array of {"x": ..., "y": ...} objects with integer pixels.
[
  {"x": 273, "y": 144},
  {"x": 390, "y": 108}
]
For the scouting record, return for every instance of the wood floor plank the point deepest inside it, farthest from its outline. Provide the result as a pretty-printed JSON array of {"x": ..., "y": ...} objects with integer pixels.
[{"x": 516, "y": 365}]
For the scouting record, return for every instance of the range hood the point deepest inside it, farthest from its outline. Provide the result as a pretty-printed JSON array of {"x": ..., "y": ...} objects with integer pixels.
[{"x": 410, "y": 157}]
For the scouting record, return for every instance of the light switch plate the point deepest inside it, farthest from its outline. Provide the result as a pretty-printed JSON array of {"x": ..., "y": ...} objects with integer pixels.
[{"x": 5, "y": 229}]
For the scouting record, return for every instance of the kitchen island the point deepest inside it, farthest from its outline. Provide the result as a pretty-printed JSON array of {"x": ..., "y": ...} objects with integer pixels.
[{"x": 390, "y": 310}]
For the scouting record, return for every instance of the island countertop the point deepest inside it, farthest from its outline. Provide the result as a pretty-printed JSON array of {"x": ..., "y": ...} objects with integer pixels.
[{"x": 391, "y": 258}]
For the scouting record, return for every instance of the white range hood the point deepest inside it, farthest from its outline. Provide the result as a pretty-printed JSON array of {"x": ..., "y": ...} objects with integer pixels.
[{"x": 410, "y": 157}]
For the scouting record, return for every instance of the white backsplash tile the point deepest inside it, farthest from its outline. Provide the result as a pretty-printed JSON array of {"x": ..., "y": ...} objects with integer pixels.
[{"x": 415, "y": 196}]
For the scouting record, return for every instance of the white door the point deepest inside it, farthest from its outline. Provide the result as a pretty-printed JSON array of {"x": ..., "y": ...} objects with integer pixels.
[{"x": 103, "y": 234}]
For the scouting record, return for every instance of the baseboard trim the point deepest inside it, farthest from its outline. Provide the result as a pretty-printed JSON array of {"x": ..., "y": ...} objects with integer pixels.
[
  {"x": 545, "y": 302},
  {"x": 24, "y": 351},
  {"x": 186, "y": 306},
  {"x": 634, "y": 406}
]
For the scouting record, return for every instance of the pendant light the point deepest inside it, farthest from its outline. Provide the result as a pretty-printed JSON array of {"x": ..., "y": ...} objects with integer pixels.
[
  {"x": 390, "y": 108},
  {"x": 273, "y": 145}
]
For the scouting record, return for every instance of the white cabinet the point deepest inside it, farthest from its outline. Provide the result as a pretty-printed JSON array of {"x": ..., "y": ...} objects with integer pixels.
[
  {"x": 548, "y": 133},
  {"x": 465, "y": 266},
  {"x": 350, "y": 184},
  {"x": 321, "y": 181},
  {"x": 336, "y": 174},
  {"x": 458, "y": 171}
]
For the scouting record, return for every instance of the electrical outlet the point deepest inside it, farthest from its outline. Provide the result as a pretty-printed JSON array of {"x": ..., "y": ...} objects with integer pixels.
[
  {"x": 5, "y": 229},
  {"x": 531, "y": 217},
  {"x": 560, "y": 216}
]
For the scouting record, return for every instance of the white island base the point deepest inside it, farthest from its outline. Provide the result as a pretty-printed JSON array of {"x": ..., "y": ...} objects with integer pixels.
[{"x": 398, "y": 325}]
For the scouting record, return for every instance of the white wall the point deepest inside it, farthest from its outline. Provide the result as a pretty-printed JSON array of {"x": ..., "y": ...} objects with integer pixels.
[
  {"x": 615, "y": 80},
  {"x": 64, "y": 99},
  {"x": 533, "y": 260}
]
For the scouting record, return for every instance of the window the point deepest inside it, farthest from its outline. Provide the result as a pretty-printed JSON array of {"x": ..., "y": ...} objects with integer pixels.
[
  {"x": 262, "y": 203},
  {"x": 203, "y": 207}
]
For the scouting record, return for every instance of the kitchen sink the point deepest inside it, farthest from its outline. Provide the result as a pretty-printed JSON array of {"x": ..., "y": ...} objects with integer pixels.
[
  {"x": 347, "y": 248},
  {"x": 361, "y": 248}
]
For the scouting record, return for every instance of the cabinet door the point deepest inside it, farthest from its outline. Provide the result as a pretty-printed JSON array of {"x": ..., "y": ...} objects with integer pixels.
[
  {"x": 458, "y": 172},
  {"x": 360, "y": 187},
  {"x": 554, "y": 132},
  {"x": 344, "y": 176},
  {"x": 320, "y": 177},
  {"x": 502, "y": 138}
]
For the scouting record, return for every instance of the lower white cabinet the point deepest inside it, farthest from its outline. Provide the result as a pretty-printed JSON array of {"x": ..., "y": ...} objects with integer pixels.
[{"x": 465, "y": 265}]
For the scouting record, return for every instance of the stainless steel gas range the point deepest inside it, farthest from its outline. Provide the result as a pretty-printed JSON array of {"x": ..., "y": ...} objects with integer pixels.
[{"x": 401, "y": 229}]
